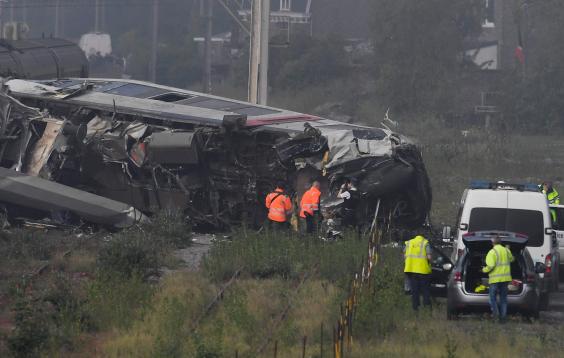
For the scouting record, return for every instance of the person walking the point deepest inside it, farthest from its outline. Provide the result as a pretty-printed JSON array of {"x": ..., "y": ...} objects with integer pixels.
[
  {"x": 498, "y": 267},
  {"x": 279, "y": 208},
  {"x": 418, "y": 270},
  {"x": 309, "y": 209}
]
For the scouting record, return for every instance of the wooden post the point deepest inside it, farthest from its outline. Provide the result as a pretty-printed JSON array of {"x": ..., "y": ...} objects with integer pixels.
[
  {"x": 304, "y": 347},
  {"x": 321, "y": 341},
  {"x": 275, "y": 348}
]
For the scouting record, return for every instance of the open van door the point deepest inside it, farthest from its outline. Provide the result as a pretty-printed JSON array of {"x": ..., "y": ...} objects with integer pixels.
[{"x": 441, "y": 266}]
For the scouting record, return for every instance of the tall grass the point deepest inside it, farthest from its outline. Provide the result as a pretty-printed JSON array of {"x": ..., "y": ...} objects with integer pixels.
[{"x": 284, "y": 255}]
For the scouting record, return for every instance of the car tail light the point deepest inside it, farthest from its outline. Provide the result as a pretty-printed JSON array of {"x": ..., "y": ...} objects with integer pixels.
[
  {"x": 458, "y": 276},
  {"x": 530, "y": 278},
  {"x": 548, "y": 263}
]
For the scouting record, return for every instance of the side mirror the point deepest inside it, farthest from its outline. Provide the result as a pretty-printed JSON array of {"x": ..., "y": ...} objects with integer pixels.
[
  {"x": 540, "y": 267},
  {"x": 447, "y": 233}
]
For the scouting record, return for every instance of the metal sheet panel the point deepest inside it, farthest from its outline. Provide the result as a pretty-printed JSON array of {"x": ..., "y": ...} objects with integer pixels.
[
  {"x": 40, "y": 194},
  {"x": 172, "y": 148}
]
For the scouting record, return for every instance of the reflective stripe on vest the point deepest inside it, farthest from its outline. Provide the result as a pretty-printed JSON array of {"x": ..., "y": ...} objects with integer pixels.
[
  {"x": 416, "y": 256},
  {"x": 552, "y": 197},
  {"x": 310, "y": 202},
  {"x": 277, "y": 210},
  {"x": 502, "y": 269}
]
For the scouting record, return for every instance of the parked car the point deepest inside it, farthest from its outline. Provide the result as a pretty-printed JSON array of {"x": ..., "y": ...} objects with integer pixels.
[
  {"x": 467, "y": 287},
  {"x": 519, "y": 208}
]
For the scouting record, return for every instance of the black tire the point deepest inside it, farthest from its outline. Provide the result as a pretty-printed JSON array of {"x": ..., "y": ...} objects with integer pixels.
[
  {"x": 544, "y": 301},
  {"x": 535, "y": 313},
  {"x": 452, "y": 314},
  {"x": 532, "y": 314}
]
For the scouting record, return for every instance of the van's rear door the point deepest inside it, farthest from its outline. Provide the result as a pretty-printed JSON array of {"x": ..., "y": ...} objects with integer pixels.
[{"x": 481, "y": 241}]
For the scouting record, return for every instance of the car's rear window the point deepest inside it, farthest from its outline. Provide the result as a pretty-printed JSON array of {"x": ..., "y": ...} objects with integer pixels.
[{"x": 527, "y": 222}]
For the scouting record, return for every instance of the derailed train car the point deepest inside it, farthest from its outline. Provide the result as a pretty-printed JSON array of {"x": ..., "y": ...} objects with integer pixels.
[{"x": 153, "y": 147}]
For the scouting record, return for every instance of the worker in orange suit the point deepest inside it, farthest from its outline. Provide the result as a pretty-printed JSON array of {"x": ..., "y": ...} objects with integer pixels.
[
  {"x": 279, "y": 207},
  {"x": 309, "y": 209}
]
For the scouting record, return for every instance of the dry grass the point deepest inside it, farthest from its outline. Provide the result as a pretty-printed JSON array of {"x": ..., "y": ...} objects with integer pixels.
[
  {"x": 242, "y": 322},
  {"x": 438, "y": 338}
]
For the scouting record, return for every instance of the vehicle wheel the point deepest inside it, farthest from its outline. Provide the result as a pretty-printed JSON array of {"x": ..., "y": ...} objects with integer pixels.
[
  {"x": 544, "y": 301},
  {"x": 535, "y": 313},
  {"x": 452, "y": 314}
]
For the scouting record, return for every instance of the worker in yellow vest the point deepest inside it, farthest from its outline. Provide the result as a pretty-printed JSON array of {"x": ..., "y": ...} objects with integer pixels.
[
  {"x": 418, "y": 270},
  {"x": 552, "y": 197},
  {"x": 498, "y": 267}
]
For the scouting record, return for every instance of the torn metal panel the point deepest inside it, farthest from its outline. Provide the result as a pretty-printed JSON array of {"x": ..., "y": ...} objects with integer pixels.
[
  {"x": 43, "y": 148},
  {"x": 45, "y": 195},
  {"x": 214, "y": 158},
  {"x": 169, "y": 147}
]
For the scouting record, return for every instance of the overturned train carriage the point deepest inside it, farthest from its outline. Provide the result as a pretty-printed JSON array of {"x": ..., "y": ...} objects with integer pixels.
[{"x": 156, "y": 147}]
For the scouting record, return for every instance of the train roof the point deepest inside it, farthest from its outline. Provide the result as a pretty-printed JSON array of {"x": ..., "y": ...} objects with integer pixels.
[{"x": 174, "y": 104}]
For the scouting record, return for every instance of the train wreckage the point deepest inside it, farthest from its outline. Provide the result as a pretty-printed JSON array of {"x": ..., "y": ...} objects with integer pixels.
[{"x": 112, "y": 152}]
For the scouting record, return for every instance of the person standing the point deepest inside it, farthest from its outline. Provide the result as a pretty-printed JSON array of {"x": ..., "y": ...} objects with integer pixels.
[
  {"x": 350, "y": 197},
  {"x": 279, "y": 208},
  {"x": 418, "y": 270},
  {"x": 309, "y": 209},
  {"x": 498, "y": 267},
  {"x": 552, "y": 197}
]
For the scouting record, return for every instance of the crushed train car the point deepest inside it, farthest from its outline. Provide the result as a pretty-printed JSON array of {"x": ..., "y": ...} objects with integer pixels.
[{"x": 155, "y": 147}]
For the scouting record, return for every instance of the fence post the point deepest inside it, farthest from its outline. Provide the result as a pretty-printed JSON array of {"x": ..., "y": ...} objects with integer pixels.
[
  {"x": 304, "y": 347},
  {"x": 321, "y": 342},
  {"x": 275, "y": 348}
]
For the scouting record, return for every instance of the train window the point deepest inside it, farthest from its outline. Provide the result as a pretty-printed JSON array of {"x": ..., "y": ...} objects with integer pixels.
[
  {"x": 171, "y": 97},
  {"x": 132, "y": 90}
]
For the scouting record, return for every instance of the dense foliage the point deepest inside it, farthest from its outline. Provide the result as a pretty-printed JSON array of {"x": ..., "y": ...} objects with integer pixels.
[
  {"x": 417, "y": 49},
  {"x": 534, "y": 92}
]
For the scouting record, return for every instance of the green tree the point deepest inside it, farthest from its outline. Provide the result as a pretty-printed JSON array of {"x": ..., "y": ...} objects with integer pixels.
[
  {"x": 418, "y": 47},
  {"x": 534, "y": 93}
]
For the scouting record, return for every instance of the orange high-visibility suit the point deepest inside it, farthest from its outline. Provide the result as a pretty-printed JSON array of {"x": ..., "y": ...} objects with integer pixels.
[{"x": 279, "y": 206}]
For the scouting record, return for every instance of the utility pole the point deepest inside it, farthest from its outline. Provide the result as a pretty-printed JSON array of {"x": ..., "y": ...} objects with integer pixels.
[
  {"x": 97, "y": 16},
  {"x": 24, "y": 11},
  {"x": 207, "y": 12},
  {"x": 1, "y": 23},
  {"x": 57, "y": 18},
  {"x": 258, "y": 62},
  {"x": 12, "y": 11},
  {"x": 103, "y": 17},
  {"x": 154, "y": 42},
  {"x": 264, "y": 40}
]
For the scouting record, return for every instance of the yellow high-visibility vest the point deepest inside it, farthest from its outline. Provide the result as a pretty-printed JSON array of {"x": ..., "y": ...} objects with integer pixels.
[
  {"x": 498, "y": 263},
  {"x": 416, "y": 256}
]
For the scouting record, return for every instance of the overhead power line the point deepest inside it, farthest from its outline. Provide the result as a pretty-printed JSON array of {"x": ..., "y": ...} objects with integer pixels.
[{"x": 29, "y": 4}]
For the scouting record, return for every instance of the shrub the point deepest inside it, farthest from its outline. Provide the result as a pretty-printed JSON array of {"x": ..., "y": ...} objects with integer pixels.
[
  {"x": 128, "y": 254},
  {"x": 116, "y": 301},
  {"x": 31, "y": 327}
]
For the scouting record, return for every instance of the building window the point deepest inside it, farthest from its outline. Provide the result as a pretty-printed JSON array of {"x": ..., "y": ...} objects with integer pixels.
[
  {"x": 285, "y": 5},
  {"x": 489, "y": 13}
]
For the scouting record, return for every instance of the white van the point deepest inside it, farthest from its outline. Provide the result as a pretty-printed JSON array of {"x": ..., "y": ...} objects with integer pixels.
[
  {"x": 558, "y": 227},
  {"x": 518, "y": 208}
]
